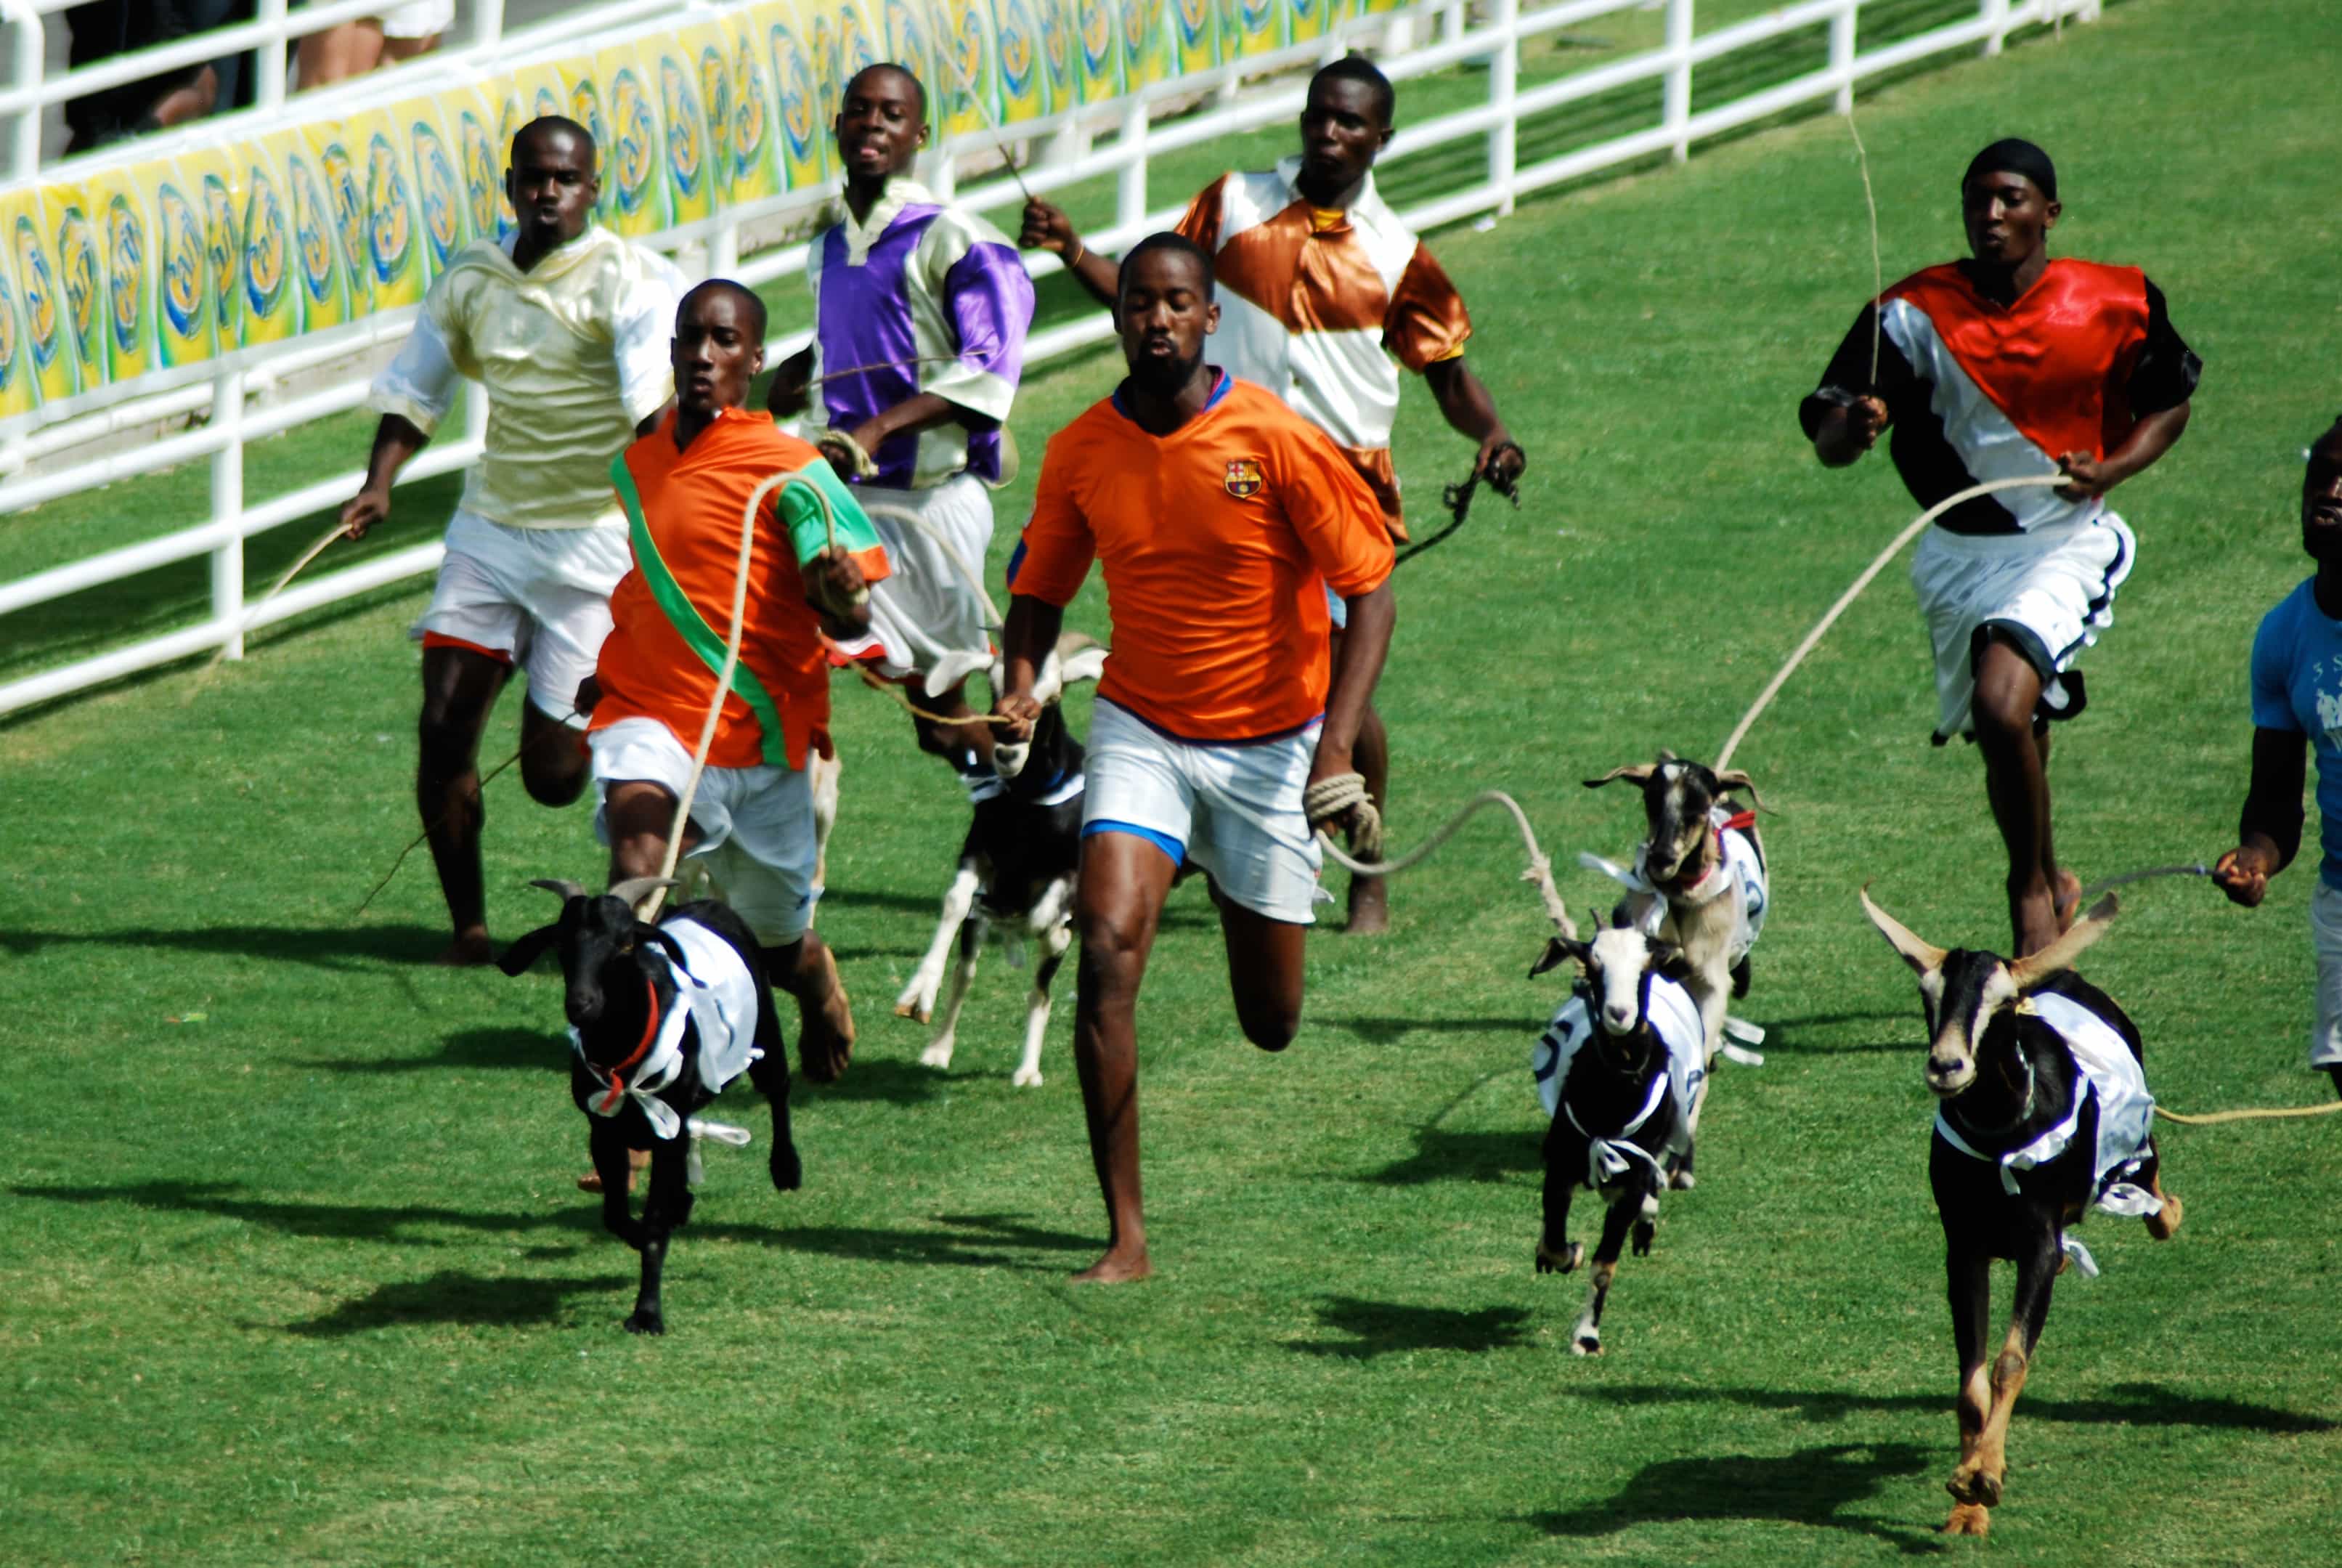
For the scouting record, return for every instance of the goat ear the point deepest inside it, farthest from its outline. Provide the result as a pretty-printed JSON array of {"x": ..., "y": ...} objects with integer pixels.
[
  {"x": 562, "y": 885},
  {"x": 1639, "y": 772},
  {"x": 1923, "y": 957},
  {"x": 1558, "y": 950},
  {"x": 1735, "y": 778},
  {"x": 516, "y": 960},
  {"x": 2058, "y": 955}
]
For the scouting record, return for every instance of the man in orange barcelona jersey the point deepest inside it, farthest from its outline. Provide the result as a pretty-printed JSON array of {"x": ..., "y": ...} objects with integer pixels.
[
  {"x": 1321, "y": 286},
  {"x": 1222, "y": 520},
  {"x": 684, "y": 487}
]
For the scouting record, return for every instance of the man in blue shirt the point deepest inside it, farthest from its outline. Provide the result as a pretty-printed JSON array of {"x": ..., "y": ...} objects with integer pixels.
[{"x": 2298, "y": 704}]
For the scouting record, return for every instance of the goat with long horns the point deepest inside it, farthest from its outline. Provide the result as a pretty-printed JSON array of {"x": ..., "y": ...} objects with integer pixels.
[{"x": 2042, "y": 1112}]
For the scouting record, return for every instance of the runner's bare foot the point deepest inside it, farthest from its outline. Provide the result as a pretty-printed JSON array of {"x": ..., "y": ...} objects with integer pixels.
[
  {"x": 468, "y": 951},
  {"x": 1117, "y": 1267},
  {"x": 1369, "y": 906}
]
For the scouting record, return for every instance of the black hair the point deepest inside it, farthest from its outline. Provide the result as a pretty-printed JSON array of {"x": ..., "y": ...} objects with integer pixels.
[
  {"x": 739, "y": 291},
  {"x": 2015, "y": 156},
  {"x": 918, "y": 90},
  {"x": 1358, "y": 68},
  {"x": 556, "y": 125},
  {"x": 1178, "y": 244}
]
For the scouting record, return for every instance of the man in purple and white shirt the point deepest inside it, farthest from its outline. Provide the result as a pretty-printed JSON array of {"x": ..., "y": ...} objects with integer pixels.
[{"x": 920, "y": 316}]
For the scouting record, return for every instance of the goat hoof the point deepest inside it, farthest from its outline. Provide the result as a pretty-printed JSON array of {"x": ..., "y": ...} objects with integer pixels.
[
  {"x": 788, "y": 1171},
  {"x": 1975, "y": 1487},
  {"x": 1026, "y": 1078},
  {"x": 1585, "y": 1344},
  {"x": 1563, "y": 1262},
  {"x": 2165, "y": 1226},
  {"x": 1968, "y": 1518},
  {"x": 916, "y": 1009},
  {"x": 937, "y": 1055},
  {"x": 1683, "y": 1181},
  {"x": 1644, "y": 1235},
  {"x": 644, "y": 1320}
]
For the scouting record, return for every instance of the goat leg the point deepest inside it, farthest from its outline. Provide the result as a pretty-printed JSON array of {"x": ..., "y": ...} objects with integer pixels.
[
  {"x": 1563, "y": 1157},
  {"x": 2036, "y": 1276},
  {"x": 770, "y": 1074},
  {"x": 938, "y": 1053},
  {"x": 1038, "y": 1006},
  {"x": 918, "y": 1000},
  {"x": 1969, "y": 1290},
  {"x": 668, "y": 1205},
  {"x": 1586, "y": 1339},
  {"x": 607, "y": 1147}
]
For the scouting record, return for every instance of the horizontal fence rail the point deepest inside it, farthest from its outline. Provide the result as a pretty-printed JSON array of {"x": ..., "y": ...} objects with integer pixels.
[{"x": 1419, "y": 39}]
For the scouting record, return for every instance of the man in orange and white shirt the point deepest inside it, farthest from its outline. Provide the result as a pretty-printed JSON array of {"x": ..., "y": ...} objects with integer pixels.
[
  {"x": 683, "y": 488},
  {"x": 1320, "y": 286},
  {"x": 1222, "y": 522}
]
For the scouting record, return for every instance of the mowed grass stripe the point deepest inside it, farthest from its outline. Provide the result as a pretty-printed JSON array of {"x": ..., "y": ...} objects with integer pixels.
[{"x": 306, "y": 1280}]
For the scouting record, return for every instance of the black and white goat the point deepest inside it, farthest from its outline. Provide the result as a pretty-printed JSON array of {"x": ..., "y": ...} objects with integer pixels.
[
  {"x": 1620, "y": 1068},
  {"x": 2042, "y": 1112},
  {"x": 1698, "y": 877},
  {"x": 662, "y": 1017},
  {"x": 1017, "y": 865}
]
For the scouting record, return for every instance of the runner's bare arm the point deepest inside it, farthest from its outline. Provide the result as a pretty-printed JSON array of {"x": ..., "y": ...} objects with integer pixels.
[
  {"x": 1464, "y": 401},
  {"x": 2268, "y": 830},
  {"x": 1359, "y": 665},
  {"x": 920, "y": 411},
  {"x": 1031, "y": 632},
  {"x": 396, "y": 440},
  {"x": 1046, "y": 228},
  {"x": 2150, "y": 439}
]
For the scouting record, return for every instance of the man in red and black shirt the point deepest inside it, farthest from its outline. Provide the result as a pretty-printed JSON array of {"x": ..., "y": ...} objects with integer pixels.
[{"x": 2011, "y": 364}]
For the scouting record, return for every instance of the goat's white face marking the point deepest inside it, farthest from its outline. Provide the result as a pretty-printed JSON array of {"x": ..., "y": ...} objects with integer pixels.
[
  {"x": 1951, "y": 1059},
  {"x": 1620, "y": 956}
]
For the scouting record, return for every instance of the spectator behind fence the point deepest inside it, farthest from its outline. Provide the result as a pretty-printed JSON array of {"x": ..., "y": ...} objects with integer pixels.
[
  {"x": 354, "y": 48},
  {"x": 104, "y": 28}
]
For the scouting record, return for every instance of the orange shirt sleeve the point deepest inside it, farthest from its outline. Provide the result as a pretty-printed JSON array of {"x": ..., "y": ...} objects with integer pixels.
[
  {"x": 1426, "y": 321},
  {"x": 1058, "y": 543},
  {"x": 1201, "y": 221},
  {"x": 1334, "y": 512}
]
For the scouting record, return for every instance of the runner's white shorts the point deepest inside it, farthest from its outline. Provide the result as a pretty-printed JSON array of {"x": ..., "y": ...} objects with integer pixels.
[
  {"x": 2052, "y": 591},
  {"x": 2325, "y": 939},
  {"x": 1234, "y": 810},
  {"x": 537, "y": 598},
  {"x": 755, "y": 825},
  {"x": 423, "y": 19},
  {"x": 926, "y": 616}
]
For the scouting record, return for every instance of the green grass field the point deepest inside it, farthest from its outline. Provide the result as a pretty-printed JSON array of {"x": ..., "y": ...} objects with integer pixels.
[{"x": 294, "y": 1272}]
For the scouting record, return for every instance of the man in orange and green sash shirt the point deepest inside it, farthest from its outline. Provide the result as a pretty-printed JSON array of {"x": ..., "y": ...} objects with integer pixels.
[{"x": 684, "y": 488}]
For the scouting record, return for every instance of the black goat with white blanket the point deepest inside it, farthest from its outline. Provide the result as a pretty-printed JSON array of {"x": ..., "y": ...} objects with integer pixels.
[
  {"x": 662, "y": 1017},
  {"x": 2043, "y": 1113},
  {"x": 1619, "y": 1070}
]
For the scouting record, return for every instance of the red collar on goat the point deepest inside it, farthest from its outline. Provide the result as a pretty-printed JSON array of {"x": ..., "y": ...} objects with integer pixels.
[{"x": 642, "y": 1047}]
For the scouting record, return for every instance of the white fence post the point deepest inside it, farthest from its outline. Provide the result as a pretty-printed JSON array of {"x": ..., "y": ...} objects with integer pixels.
[
  {"x": 24, "y": 133},
  {"x": 1842, "y": 52},
  {"x": 1996, "y": 13},
  {"x": 1504, "y": 80},
  {"x": 268, "y": 92},
  {"x": 1675, "y": 102},
  {"x": 228, "y": 505}
]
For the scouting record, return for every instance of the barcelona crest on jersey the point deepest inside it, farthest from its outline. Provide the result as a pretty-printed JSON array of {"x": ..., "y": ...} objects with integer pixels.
[{"x": 1244, "y": 477}]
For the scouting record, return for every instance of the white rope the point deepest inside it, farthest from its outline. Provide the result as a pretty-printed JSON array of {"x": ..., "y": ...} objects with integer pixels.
[
  {"x": 245, "y": 621},
  {"x": 1878, "y": 564},
  {"x": 1343, "y": 791},
  {"x": 1877, "y": 270}
]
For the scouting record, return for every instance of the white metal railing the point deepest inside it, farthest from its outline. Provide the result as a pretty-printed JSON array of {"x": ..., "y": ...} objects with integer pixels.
[{"x": 1066, "y": 159}]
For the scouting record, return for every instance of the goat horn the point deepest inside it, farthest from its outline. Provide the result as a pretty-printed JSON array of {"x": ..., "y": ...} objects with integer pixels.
[
  {"x": 1735, "y": 778},
  {"x": 634, "y": 889},
  {"x": 561, "y": 885},
  {"x": 1638, "y": 772},
  {"x": 1073, "y": 643},
  {"x": 2034, "y": 968},
  {"x": 1922, "y": 956}
]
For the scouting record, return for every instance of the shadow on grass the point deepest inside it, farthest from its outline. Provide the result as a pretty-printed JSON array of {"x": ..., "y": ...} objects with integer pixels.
[
  {"x": 1443, "y": 1156},
  {"x": 2137, "y": 1403},
  {"x": 343, "y": 947},
  {"x": 970, "y": 1241},
  {"x": 896, "y": 1082},
  {"x": 452, "y": 1296},
  {"x": 472, "y": 1048},
  {"x": 1811, "y": 1486},
  {"x": 1383, "y": 1328},
  {"x": 871, "y": 898},
  {"x": 1389, "y": 1030}
]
